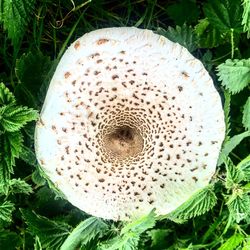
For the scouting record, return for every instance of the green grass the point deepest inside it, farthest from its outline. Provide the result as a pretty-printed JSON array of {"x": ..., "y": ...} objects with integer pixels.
[{"x": 34, "y": 35}]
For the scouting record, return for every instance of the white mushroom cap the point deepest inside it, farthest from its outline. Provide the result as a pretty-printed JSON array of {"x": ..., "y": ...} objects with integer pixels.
[{"x": 131, "y": 122}]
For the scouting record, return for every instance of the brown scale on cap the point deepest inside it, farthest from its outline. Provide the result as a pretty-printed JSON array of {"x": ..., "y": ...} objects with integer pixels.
[{"x": 126, "y": 134}]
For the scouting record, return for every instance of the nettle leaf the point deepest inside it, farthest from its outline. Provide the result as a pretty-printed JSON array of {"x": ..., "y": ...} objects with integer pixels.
[
  {"x": 233, "y": 242},
  {"x": 6, "y": 97},
  {"x": 230, "y": 144},
  {"x": 246, "y": 17},
  {"x": 183, "y": 35},
  {"x": 16, "y": 186},
  {"x": 28, "y": 156},
  {"x": 178, "y": 12},
  {"x": 9, "y": 240},
  {"x": 244, "y": 168},
  {"x": 6, "y": 209},
  {"x": 129, "y": 236},
  {"x": 224, "y": 14},
  {"x": 37, "y": 178},
  {"x": 84, "y": 233},
  {"x": 29, "y": 84},
  {"x": 201, "y": 202},
  {"x": 159, "y": 237},
  {"x": 13, "y": 117},
  {"x": 233, "y": 175},
  {"x": 15, "y": 17},
  {"x": 10, "y": 147},
  {"x": 208, "y": 36},
  {"x": 52, "y": 234},
  {"x": 239, "y": 205},
  {"x": 246, "y": 114},
  {"x": 234, "y": 74}
]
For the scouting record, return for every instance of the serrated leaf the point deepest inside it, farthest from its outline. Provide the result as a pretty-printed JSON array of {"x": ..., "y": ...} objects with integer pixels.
[
  {"x": 246, "y": 114},
  {"x": 159, "y": 237},
  {"x": 13, "y": 117},
  {"x": 28, "y": 156},
  {"x": 6, "y": 209},
  {"x": 239, "y": 205},
  {"x": 51, "y": 234},
  {"x": 10, "y": 147},
  {"x": 230, "y": 144},
  {"x": 233, "y": 176},
  {"x": 233, "y": 242},
  {"x": 37, "y": 178},
  {"x": 9, "y": 240},
  {"x": 178, "y": 12},
  {"x": 183, "y": 35},
  {"x": 130, "y": 234},
  {"x": 246, "y": 17},
  {"x": 15, "y": 17},
  {"x": 140, "y": 225},
  {"x": 15, "y": 186},
  {"x": 201, "y": 202},
  {"x": 224, "y": 14},
  {"x": 6, "y": 97},
  {"x": 234, "y": 74},
  {"x": 84, "y": 233},
  {"x": 244, "y": 168},
  {"x": 18, "y": 186},
  {"x": 208, "y": 36},
  {"x": 29, "y": 84}
]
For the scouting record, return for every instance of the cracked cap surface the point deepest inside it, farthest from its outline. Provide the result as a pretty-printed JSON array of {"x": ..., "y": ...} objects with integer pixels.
[{"x": 131, "y": 122}]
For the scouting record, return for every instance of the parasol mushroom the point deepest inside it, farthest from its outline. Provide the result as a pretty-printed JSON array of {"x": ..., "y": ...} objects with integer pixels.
[{"x": 131, "y": 122}]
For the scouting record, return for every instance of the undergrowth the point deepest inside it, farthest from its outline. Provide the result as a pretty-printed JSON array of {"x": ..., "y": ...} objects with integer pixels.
[{"x": 34, "y": 35}]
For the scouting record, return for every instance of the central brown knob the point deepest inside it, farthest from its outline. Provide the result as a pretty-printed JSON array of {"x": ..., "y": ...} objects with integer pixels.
[{"x": 124, "y": 142}]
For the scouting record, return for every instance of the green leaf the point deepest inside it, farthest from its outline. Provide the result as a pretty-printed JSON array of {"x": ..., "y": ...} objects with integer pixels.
[
  {"x": 130, "y": 234},
  {"x": 18, "y": 186},
  {"x": 234, "y": 74},
  {"x": 10, "y": 147},
  {"x": 183, "y": 35},
  {"x": 178, "y": 12},
  {"x": 6, "y": 209},
  {"x": 239, "y": 205},
  {"x": 244, "y": 168},
  {"x": 37, "y": 178},
  {"x": 6, "y": 97},
  {"x": 9, "y": 240},
  {"x": 227, "y": 106},
  {"x": 230, "y": 144},
  {"x": 246, "y": 114},
  {"x": 246, "y": 17},
  {"x": 37, "y": 245},
  {"x": 15, "y": 17},
  {"x": 13, "y": 117},
  {"x": 201, "y": 202},
  {"x": 29, "y": 84},
  {"x": 233, "y": 175},
  {"x": 84, "y": 233},
  {"x": 159, "y": 237},
  {"x": 51, "y": 234},
  {"x": 208, "y": 36},
  {"x": 28, "y": 156},
  {"x": 233, "y": 242},
  {"x": 224, "y": 14}
]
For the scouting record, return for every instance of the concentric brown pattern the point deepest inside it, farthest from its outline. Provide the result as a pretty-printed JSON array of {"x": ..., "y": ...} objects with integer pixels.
[{"x": 131, "y": 122}]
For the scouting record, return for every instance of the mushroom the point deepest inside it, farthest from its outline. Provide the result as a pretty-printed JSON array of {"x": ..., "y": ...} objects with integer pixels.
[{"x": 131, "y": 122}]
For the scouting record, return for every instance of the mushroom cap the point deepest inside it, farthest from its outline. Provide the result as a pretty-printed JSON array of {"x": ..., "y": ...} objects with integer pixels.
[{"x": 131, "y": 122}]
